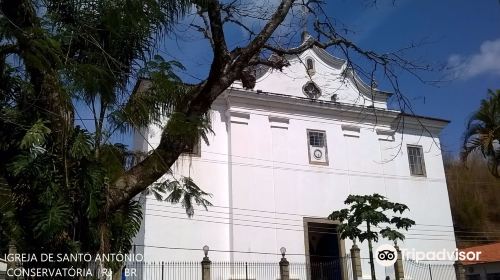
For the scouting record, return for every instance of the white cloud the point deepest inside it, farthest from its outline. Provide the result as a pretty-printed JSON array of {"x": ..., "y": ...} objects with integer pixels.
[{"x": 487, "y": 61}]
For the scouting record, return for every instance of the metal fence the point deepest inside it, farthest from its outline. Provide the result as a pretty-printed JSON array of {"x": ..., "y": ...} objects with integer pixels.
[
  {"x": 339, "y": 269},
  {"x": 163, "y": 270},
  {"x": 428, "y": 271},
  {"x": 244, "y": 270},
  {"x": 333, "y": 270}
]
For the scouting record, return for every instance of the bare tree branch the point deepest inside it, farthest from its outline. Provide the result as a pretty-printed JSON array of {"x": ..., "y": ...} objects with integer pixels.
[{"x": 238, "y": 64}]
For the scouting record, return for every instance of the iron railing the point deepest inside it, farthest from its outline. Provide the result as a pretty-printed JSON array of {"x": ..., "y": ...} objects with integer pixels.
[
  {"x": 339, "y": 269},
  {"x": 332, "y": 270},
  {"x": 428, "y": 271}
]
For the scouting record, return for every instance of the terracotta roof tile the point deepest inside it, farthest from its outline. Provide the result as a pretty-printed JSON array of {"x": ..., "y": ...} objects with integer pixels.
[{"x": 489, "y": 253}]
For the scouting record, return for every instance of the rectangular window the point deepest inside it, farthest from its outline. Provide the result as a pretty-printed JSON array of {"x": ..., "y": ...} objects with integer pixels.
[
  {"x": 193, "y": 149},
  {"x": 316, "y": 140},
  {"x": 416, "y": 160}
]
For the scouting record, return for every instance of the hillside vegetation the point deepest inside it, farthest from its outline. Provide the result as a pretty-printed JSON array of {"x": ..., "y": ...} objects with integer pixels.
[{"x": 475, "y": 201}]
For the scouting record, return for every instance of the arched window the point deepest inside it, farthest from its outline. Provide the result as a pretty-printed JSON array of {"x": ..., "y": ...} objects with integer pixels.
[{"x": 310, "y": 64}]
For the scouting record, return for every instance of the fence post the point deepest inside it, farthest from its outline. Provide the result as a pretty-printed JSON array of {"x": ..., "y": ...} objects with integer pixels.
[
  {"x": 162, "y": 271},
  {"x": 205, "y": 265},
  {"x": 459, "y": 270},
  {"x": 398, "y": 265},
  {"x": 430, "y": 270},
  {"x": 284, "y": 265},
  {"x": 344, "y": 266},
  {"x": 356, "y": 262},
  {"x": 246, "y": 271}
]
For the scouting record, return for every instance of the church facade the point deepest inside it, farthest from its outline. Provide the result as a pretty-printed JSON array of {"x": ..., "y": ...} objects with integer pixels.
[{"x": 286, "y": 154}]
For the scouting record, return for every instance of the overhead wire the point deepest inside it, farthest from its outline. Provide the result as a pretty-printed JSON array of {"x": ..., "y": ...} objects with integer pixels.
[
  {"x": 465, "y": 235},
  {"x": 295, "y": 214},
  {"x": 346, "y": 256},
  {"x": 151, "y": 146},
  {"x": 472, "y": 238},
  {"x": 273, "y": 166},
  {"x": 301, "y": 220}
]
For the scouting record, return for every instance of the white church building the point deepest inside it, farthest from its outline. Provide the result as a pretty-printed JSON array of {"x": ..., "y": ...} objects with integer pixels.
[{"x": 286, "y": 154}]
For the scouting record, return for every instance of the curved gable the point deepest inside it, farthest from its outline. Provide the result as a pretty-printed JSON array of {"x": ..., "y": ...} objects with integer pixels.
[{"x": 327, "y": 75}]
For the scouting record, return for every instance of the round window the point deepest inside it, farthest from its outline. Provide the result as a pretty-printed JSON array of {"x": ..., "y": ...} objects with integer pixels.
[{"x": 311, "y": 90}]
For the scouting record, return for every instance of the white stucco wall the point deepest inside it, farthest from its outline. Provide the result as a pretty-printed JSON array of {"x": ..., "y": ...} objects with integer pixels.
[{"x": 257, "y": 169}]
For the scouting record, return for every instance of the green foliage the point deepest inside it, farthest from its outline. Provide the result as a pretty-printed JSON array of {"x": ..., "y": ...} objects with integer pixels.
[
  {"x": 370, "y": 210},
  {"x": 82, "y": 145},
  {"x": 164, "y": 93},
  {"x": 184, "y": 191},
  {"x": 124, "y": 226},
  {"x": 35, "y": 136},
  {"x": 52, "y": 219},
  {"x": 58, "y": 176},
  {"x": 6, "y": 212},
  {"x": 189, "y": 129},
  {"x": 474, "y": 200},
  {"x": 114, "y": 159},
  {"x": 483, "y": 132},
  {"x": 44, "y": 52}
]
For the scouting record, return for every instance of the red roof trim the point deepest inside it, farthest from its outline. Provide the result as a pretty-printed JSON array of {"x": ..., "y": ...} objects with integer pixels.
[{"x": 490, "y": 253}]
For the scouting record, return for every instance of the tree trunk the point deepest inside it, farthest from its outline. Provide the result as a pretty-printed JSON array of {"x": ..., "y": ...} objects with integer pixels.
[
  {"x": 370, "y": 251},
  {"x": 104, "y": 239},
  {"x": 226, "y": 68},
  {"x": 52, "y": 101},
  {"x": 117, "y": 275}
]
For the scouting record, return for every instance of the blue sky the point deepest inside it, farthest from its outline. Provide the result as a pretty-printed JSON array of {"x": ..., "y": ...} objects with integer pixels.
[
  {"x": 463, "y": 34},
  {"x": 454, "y": 32},
  {"x": 460, "y": 33}
]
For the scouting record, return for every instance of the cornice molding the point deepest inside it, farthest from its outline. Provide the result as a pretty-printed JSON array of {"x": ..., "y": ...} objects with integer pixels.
[
  {"x": 238, "y": 116},
  {"x": 390, "y": 119},
  {"x": 278, "y": 121},
  {"x": 351, "y": 130},
  {"x": 332, "y": 110}
]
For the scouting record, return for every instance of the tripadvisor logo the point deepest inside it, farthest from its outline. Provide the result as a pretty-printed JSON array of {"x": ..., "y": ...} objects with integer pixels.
[
  {"x": 386, "y": 255},
  {"x": 441, "y": 255}
]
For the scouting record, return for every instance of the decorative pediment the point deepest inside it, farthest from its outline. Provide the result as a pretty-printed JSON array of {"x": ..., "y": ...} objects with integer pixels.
[{"x": 317, "y": 74}]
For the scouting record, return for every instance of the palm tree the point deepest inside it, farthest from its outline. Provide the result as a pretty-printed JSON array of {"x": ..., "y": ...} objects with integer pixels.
[
  {"x": 56, "y": 181},
  {"x": 483, "y": 132}
]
